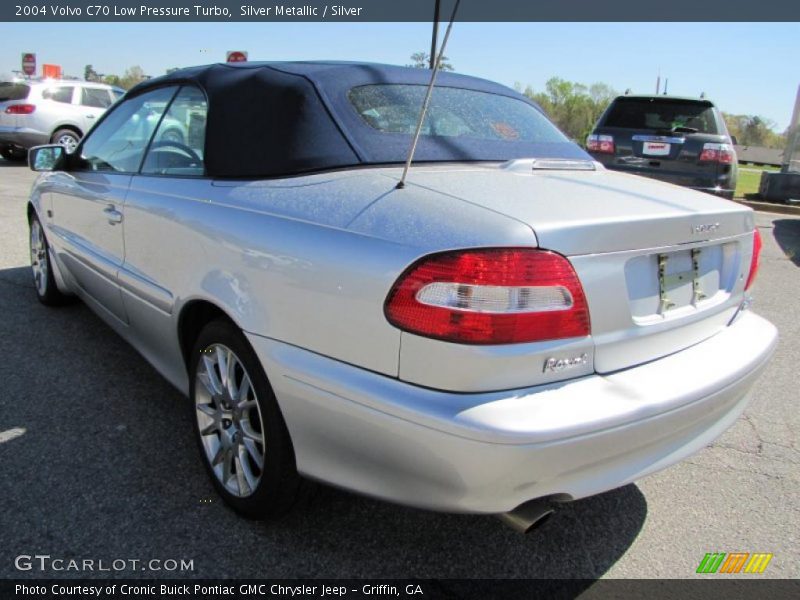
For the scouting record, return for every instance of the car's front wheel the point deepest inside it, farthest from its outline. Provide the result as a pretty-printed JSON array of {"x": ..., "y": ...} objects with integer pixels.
[
  {"x": 67, "y": 138},
  {"x": 242, "y": 436},
  {"x": 43, "y": 279}
]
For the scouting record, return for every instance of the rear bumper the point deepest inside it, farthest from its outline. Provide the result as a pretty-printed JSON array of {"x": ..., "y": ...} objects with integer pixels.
[
  {"x": 490, "y": 452},
  {"x": 722, "y": 184},
  {"x": 23, "y": 137}
]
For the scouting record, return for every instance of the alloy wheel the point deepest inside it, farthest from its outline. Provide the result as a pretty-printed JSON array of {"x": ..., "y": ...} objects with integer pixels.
[
  {"x": 229, "y": 420},
  {"x": 39, "y": 257},
  {"x": 70, "y": 142}
]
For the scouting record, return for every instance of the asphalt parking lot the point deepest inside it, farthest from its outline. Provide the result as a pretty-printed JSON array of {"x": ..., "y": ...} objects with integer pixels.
[{"x": 97, "y": 461}]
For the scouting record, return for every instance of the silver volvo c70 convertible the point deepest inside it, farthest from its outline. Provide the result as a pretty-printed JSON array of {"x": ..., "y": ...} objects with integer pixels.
[{"x": 513, "y": 327}]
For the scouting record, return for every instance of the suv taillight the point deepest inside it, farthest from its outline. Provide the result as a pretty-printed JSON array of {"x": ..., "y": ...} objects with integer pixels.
[
  {"x": 754, "y": 262},
  {"x": 603, "y": 144},
  {"x": 719, "y": 153},
  {"x": 490, "y": 296},
  {"x": 20, "y": 109}
]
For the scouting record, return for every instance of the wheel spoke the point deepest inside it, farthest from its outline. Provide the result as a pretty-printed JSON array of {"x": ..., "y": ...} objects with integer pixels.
[
  {"x": 252, "y": 480},
  {"x": 218, "y": 457},
  {"x": 244, "y": 391},
  {"x": 210, "y": 428},
  {"x": 230, "y": 378},
  {"x": 227, "y": 463},
  {"x": 241, "y": 481},
  {"x": 222, "y": 363},
  {"x": 252, "y": 450},
  {"x": 211, "y": 381},
  {"x": 250, "y": 433},
  {"x": 207, "y": 410}
]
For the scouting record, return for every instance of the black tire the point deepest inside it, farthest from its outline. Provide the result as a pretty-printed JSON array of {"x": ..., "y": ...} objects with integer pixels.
[
  {"x": 14, "y": 154},
  {"x": 62, "y": 136},
  {"x": 279, "y": 484},
  {"x": 43, "y": 281}
]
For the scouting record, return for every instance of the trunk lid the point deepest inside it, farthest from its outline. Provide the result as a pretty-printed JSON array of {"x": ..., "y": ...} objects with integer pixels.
[{"x": 663, "y": 267}]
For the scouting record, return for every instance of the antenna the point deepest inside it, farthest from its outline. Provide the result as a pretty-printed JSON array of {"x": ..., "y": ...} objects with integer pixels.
[
  {"x": 666, "y": 83},
  {"x": 402, "y": 183},
  {"x": 434, "y": 34}
]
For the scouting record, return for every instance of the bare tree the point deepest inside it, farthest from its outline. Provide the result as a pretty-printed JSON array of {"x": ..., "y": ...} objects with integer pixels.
[{"x": 421, "y": 60}]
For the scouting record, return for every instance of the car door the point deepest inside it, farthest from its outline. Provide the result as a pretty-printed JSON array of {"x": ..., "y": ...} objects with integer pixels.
[
  {"x": 88, "y": 199},
  {"x": 92, "y": 103},
  {"x": 161, "y": 202},
  {"x": 57, "y": 109}
]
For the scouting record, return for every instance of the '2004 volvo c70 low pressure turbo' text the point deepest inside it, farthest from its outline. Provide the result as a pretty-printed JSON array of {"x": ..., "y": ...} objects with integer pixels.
[{"x": 514, "y": 326}]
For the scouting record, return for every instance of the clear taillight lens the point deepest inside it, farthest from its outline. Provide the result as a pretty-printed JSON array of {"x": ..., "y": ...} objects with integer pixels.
[
  {"x": 20, "y": 109},
  {"x": 719, "y": 153},
  {"x": 492, "y": 296},
  {"x": 754, "y": 262},
  {"x": 600, "y": 143}
]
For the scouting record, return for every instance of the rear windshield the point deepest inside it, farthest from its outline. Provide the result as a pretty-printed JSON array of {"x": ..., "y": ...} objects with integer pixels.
[
  {"x": 662, "y": 113},
  {"x": 453, "y": 113},
  {"x": 13, "y": 91}
]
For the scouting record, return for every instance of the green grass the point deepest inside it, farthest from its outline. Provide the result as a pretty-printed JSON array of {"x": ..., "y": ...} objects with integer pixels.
[
  {"x": 750, "y": 179},
  {"x": 747, "y": 183},
  {"x": 743, "y": 165}
]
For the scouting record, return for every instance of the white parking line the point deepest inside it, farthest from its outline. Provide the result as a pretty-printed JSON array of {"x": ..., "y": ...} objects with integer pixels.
[{"x": 7, "y": 436}]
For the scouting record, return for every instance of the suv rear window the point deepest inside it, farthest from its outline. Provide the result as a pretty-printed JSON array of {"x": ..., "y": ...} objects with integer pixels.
[
  {"x": 13, "y": 91},
  {"x": 662, "y": 113}
]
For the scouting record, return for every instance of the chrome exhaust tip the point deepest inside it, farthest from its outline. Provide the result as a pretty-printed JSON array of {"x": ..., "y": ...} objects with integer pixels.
[{"x": 529, "y": 516}]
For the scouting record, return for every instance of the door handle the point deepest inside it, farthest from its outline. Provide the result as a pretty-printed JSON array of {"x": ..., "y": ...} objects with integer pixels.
[
  {"x": 113, "y": 215},
  {"x": 90, "y": 116}
]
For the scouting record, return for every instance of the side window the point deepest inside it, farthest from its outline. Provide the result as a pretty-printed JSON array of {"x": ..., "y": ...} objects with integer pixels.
[
  {"x": 119, "y": 141},
  {"x": 96, "y": 97},
  {"x": 61, "y": 94},
  {"x": 177, "y": 147}
]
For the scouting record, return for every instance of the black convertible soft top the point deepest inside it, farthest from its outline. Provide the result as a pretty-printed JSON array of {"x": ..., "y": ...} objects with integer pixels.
[{"x": 285, "y": 118}]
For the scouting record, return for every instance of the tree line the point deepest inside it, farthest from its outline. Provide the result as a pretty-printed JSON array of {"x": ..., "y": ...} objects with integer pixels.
[{"x": 576, "y": 107}]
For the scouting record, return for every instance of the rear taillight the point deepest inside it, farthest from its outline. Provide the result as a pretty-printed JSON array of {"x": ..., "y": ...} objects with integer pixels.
[
  {"x": 754, "y": 262},
  {"x": 20, "y": 109},
  {"x": 600, "y": 143},
  {"x": 718, "y": 153},
  {"x": 490, "y": 296}
]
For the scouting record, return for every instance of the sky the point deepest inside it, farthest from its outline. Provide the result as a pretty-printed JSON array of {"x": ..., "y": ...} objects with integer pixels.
[{"x": 745, "y": 68}]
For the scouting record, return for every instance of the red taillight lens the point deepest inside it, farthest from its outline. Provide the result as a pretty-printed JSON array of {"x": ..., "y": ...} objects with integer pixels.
[
  {"x": 754, "y": 262},
  {"x": 603, "y": 144},
  {"x": 20, "y": 109},
  {"x": 719, "y": 153},
  {"x": 492, "y": 296}
]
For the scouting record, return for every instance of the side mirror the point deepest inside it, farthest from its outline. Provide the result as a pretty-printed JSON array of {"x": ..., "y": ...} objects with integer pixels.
[
  {"x": 734, "y": 141},
  {"x": 47, "y": 158}
]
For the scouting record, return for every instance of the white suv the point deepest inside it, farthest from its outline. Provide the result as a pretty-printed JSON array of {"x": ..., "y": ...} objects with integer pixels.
[{"x": 49, "y": 111}]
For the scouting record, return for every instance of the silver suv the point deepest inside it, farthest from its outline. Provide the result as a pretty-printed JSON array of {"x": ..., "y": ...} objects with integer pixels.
[{"x": 49, "y": 111}]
